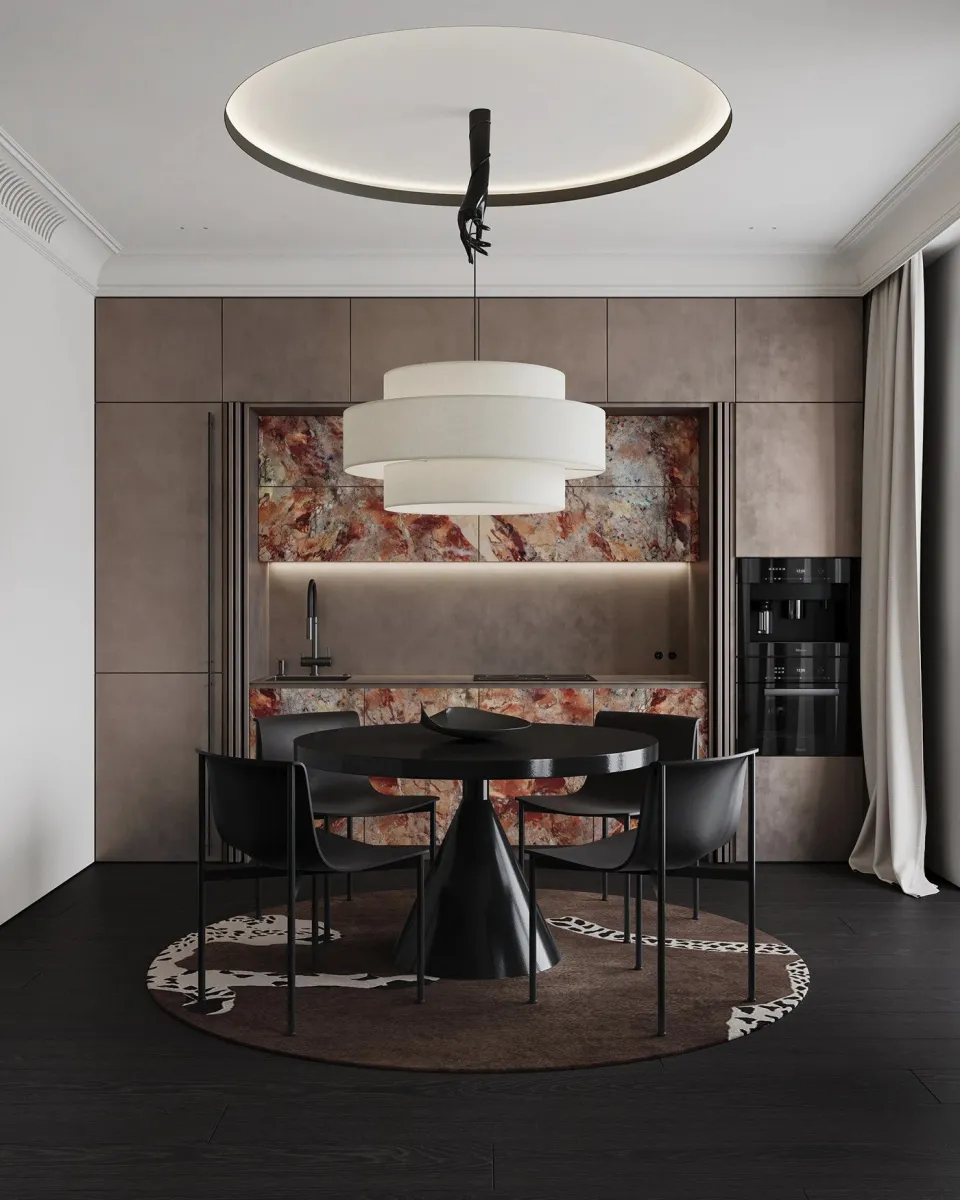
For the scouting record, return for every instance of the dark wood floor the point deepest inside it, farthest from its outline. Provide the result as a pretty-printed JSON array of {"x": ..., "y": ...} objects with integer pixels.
[{"x": 855, "y": 1096}]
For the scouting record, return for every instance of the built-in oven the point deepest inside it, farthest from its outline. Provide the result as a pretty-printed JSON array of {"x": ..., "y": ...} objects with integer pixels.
[{"x": 796, "y": 662}]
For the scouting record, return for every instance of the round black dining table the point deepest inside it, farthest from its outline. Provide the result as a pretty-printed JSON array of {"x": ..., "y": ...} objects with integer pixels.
[{"x": 476, "y": 899}]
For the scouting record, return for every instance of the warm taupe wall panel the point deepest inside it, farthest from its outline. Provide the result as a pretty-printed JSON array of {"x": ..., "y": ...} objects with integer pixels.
[
  {"x": 798, "y": 478},
  {"x": 286, "y": 351},
  {"x": 671, "y": 351},
  {"x": 569, "y": 334},
  {"x": 151, "y": 530},
  {"x": 148, "y": 730},
  {"x": 395, "y": 333},
  {"x": 808, "y": 809},
  {"x": 151, "y": 351},
  {"x": 800, "y": 351}
]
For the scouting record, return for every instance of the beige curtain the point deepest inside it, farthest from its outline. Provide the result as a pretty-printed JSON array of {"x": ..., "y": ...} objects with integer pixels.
[{"x": 891, "y": 843}]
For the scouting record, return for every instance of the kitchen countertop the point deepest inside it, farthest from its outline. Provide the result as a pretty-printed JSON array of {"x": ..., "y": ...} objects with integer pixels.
[{"x": 440, "y": 681}]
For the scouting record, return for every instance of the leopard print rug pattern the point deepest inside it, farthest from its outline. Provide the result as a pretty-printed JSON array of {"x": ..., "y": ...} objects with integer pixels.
[
  {"x": 167, "y": 974},
  {"x": 744, "y": 1019}
]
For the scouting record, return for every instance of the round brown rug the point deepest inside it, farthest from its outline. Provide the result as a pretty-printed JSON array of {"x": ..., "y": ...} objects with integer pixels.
[{"x": 593, "y": 1009}]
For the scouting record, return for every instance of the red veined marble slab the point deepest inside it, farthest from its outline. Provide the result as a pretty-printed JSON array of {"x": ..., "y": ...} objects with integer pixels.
[
  {"x": 644, "y": 507},
  {"x": 297, "y": 451},
  {"x": 350, "y": 524},
  {"x": 599, "y": 524},
  {"x": 648, "y": 450}
]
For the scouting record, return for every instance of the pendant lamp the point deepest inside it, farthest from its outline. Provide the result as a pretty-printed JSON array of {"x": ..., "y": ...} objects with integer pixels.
[{"x": 474, "y": 437}]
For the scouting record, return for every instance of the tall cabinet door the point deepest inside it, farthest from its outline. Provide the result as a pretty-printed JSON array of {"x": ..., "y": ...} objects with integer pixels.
[{"x": 158, "y": 384}]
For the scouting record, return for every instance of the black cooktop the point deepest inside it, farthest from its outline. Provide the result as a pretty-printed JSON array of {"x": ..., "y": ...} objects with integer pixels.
[{"x": 534, "y": 678}]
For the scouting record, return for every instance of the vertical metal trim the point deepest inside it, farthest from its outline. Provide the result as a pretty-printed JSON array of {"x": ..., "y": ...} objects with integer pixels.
[
  {"x": 211, "y": 570},
  {"x": 723, "y": 663},
  {"x": 235, "y": 740}
]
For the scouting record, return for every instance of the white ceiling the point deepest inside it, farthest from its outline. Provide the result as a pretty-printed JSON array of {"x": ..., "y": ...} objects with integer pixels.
[{"x": 834, "y": 101}]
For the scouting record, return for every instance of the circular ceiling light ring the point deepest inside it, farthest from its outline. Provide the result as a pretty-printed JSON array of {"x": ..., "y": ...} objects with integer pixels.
[
  {"x": 585, "y": 191},
  {"x": 577, "y": 115}
]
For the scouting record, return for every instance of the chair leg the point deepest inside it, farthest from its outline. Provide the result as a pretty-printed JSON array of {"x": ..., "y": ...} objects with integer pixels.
[
  {"x": 349, "y": 876},
  {"x": 291, "y": 905},
  {"x": 752, "y": 878},
  {"x": 314, "y": 922},
  {"x": 258, "y": 896},
  {"x": 532, "y": 945},
  {"x": 696, "y": 898},
  {"x": 662, "y": 910},
  {"x": 521, "y": 836},
  {"x": 433, "y": 834},
  {"x": 626, "y": 894},
  {"x": 421, "y": 933},
  {"x": 326, "y": 908},
  {"x": 604, "y": 882},
  {"x": 638, "y": 956},
  {"x": 202, "y": 888}
]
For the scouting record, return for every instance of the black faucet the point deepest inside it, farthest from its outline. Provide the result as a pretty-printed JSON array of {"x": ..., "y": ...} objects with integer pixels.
[{"x": 314, "y": 660}]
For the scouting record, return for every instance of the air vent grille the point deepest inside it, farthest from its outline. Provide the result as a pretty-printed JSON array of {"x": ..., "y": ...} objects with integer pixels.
[{"x": 27, "y": 205}]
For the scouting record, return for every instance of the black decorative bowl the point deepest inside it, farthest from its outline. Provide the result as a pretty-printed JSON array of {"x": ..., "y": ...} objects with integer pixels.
[{"x": 471, "y": 724}]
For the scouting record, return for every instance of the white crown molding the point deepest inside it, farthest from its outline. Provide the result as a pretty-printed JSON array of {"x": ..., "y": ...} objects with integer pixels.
[
  {"x": 79, "y": 246},
  {"x": 449, "y": 275},
  {"x": 924, "y": 203}
]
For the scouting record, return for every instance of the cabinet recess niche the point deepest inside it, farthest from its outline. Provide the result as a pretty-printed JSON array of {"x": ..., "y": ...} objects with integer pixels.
[{"x": 644, "y": 508}]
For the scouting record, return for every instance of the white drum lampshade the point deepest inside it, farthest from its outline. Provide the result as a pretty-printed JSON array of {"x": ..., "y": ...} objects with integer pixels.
[{"x": 468, "y": 438}]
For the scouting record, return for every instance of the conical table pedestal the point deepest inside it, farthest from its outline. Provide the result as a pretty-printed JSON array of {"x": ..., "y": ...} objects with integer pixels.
[{"x": 477, "y": 907}]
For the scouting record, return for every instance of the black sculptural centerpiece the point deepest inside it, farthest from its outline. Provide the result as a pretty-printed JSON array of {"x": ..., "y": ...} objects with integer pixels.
[{"x": 471, "y": 724}]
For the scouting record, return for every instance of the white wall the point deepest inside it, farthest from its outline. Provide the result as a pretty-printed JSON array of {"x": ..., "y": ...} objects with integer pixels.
[{"x": 46, "y": 576}]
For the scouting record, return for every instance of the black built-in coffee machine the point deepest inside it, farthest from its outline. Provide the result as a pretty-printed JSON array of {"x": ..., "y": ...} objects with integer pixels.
[{"x": 797, "y": 664}]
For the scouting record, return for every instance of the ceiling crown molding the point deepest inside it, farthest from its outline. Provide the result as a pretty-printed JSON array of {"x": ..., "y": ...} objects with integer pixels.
[
  {"x": 412, "y": 274},
  {"x": 924, "y": 202},
  {"x": 48, "y": 219}
]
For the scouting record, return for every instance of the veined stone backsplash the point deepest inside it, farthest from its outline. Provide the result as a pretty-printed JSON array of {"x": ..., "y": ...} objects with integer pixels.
[
  {"x": 644, "y": 508},
  {"x": 555, "y": 705}
]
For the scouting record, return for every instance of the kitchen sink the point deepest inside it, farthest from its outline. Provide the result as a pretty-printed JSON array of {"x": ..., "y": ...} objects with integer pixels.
[{"x": 304, "y": 678}]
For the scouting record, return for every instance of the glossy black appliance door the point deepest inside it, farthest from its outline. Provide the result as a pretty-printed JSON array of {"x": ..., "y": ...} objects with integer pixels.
[{"x": 783, "y": 720}]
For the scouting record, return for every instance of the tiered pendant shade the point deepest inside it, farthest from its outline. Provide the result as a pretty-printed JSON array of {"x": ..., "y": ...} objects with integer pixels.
[{"x": 467, "y": 438}]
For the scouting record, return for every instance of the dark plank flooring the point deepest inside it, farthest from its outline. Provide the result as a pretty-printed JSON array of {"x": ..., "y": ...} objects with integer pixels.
[{"x": 854, "y": 1097}]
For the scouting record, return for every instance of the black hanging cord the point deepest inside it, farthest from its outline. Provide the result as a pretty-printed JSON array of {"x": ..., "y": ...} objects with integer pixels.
[{"x": 474, "y": 204}]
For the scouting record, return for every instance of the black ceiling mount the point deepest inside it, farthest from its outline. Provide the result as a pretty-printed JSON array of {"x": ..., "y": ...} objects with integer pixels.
[{"x": 475, "y": 200}]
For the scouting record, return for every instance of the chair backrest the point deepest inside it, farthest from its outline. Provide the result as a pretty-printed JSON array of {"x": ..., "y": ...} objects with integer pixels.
[
  {"x": 276, "y": 735},
  {"x": 703, "y": 804},
  {"x": 249, "y": 806},
  {"x": 679, "y": 737}
]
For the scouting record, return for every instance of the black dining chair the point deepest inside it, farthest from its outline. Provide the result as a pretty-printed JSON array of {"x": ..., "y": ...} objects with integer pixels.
[
  {"x": 335, "y": 795},
  {"x": 620, "y": 796},
  {"x": 693, "y": 810},
  {"x": 263, "y": 809}
]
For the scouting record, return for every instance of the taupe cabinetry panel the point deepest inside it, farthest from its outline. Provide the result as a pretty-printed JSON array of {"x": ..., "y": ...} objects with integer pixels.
[
  {"x": 808, "y": 809},
  {"x": 671, "y": 351},
  {"x": 569, "y": 334},
  {"x": 286, "y": 351},
  {"x": 155, "y": 351},
  {"x": 151, "y": 531},
  {"x": 800, "y": 351},
  {"x": 392, "y": 333},
  {"x": 798, "y": 479},
  {"x": 148, "y": 730}
]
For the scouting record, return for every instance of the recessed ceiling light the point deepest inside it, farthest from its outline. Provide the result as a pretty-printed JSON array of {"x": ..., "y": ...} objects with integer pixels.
[{"x": 383, "y": 115}]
